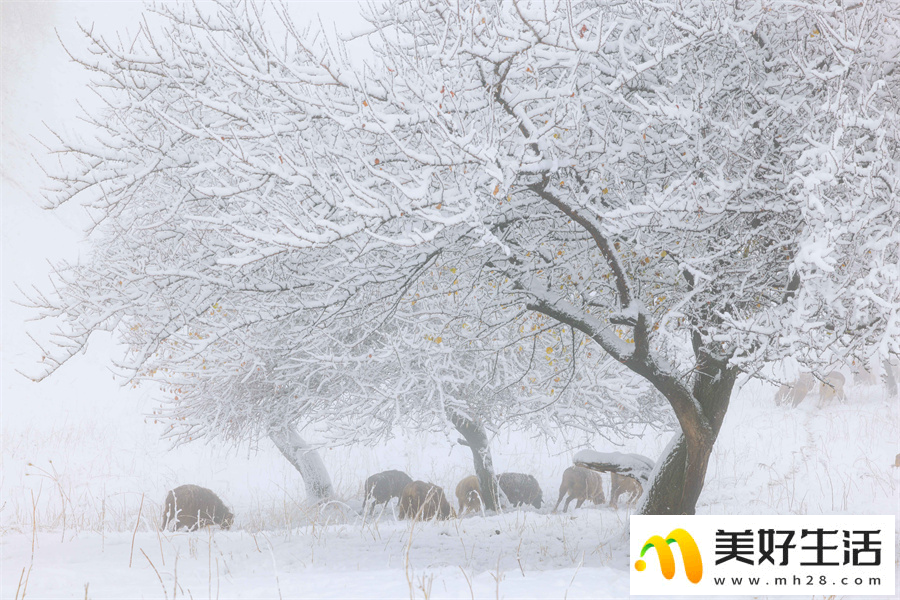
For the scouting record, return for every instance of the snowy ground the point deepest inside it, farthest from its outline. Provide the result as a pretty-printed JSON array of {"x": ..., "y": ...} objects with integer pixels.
[
  {"x": 80, "y": 529},
  {"x": 389, "y": 560}
]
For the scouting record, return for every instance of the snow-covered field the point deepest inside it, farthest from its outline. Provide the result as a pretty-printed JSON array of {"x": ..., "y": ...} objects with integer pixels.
[{"x": 74, "y": 482}]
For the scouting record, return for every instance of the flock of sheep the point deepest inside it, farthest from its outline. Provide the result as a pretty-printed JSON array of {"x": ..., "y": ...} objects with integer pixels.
[
  {"x": 425, "y": 501},
  {"x": 192, "y": 507},
  {"x": 831, "y": 385}
]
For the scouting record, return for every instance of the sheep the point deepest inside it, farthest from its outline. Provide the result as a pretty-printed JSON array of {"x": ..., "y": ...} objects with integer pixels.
[
  {"x": 381, "y": 487},
  {"x": 582, "y": 484},
  {"x": 832, "y": 387},
  {"x": 797, "y": 391},
  {"x": 862, "y": 375},
  {"x": 468, "y": 493},
  {"x": 520, "y": 488},
  {"x": 624, "y": 484},
  {"x": 192, "y": 507},
  {"x": 424, "y": 501}
]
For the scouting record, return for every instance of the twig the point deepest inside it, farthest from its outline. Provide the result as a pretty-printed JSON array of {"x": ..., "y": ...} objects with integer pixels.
[
  {"x": 519, "y": 555},
  {"x": 409, "y": 579},
  {"x": 209, "y": 562},
  {"x": 162, "y": 556},
  {"x": 497, "y": 577},
  {"x": 165, "y": 593},
  {"x": 103, "y": 521},
  {"x": 133, "y": 535},
  {"x": 19, "y": 587},
  {"x": 33, "y": 524},
  {"x": 274, "y": 566},
  {"x": 580, "y": 563},
  {"x": 425, "y": 582},
  {"x": 469, "y": 581},
  {"x": 33, "y": 541}
]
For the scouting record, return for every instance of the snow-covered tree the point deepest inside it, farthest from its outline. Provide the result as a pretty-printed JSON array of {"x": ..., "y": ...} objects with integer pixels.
[
  {"x": 693, "y": 189},
  {"x": 360, "y": 385}
]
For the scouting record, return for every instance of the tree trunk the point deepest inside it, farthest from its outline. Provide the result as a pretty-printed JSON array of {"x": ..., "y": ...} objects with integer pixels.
[
  {"x": 476, "y": 439},
  {"x": 307, "y": 462},
  {"x": 889, "y": 379},
  {"x": 667, "y": 482},
  {"x": 681, "y": 472}
]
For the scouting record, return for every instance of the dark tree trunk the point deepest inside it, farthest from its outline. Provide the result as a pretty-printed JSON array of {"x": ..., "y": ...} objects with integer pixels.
[
  {"x": 665, "y": 491},
  {"x": 681, "y": 473},
  {"x": 476, "y": 439},
  {"x": 307, "y": 461}
]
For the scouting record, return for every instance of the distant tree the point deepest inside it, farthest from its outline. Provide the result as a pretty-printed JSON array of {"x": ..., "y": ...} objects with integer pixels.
[{"x": 692, "y": 189}]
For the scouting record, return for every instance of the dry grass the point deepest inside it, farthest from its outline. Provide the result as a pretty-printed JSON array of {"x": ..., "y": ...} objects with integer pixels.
[{"x": 826, "y": 459}]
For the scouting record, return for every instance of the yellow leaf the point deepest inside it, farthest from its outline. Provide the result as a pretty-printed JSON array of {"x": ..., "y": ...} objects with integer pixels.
[{"x": 496, "y": 189}]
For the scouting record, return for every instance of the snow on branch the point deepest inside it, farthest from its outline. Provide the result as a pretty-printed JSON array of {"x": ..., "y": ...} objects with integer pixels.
[
  {"x": 504, "y": 194},
  {"x": 634, "y": 465}
]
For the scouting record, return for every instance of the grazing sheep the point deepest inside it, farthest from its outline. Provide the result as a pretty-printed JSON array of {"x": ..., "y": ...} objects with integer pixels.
[
  {"x": 520, "y": 488},
  {"x": 468, "y": 492},
  {"x": 381, "y": 487},
  {"x": 832, "y": 387},
  {"x": 624, "y": 484},
  {"x": 797, "y": 391},
  {"x": 582, "y": 484},
  {"x": 424, "y": 501},
  {"x": 862, "y": 375},
  {"x": 192, "y": 507}
]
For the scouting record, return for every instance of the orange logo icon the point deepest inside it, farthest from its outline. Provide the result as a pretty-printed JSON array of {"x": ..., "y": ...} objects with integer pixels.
[{"x": 693, "y": 565}]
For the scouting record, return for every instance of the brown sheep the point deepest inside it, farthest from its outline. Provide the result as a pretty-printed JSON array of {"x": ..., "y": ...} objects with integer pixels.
[
  {"x": 424, "y": 501},
  {"x": 582, "y": 484},
  {"x": 468, "y": 493},
  {"x": 192, "y": 507},
  {"x": 624, "y": 484},
  {"x": 520, "y": 488},
  {"x": 381, "y": 487}
]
